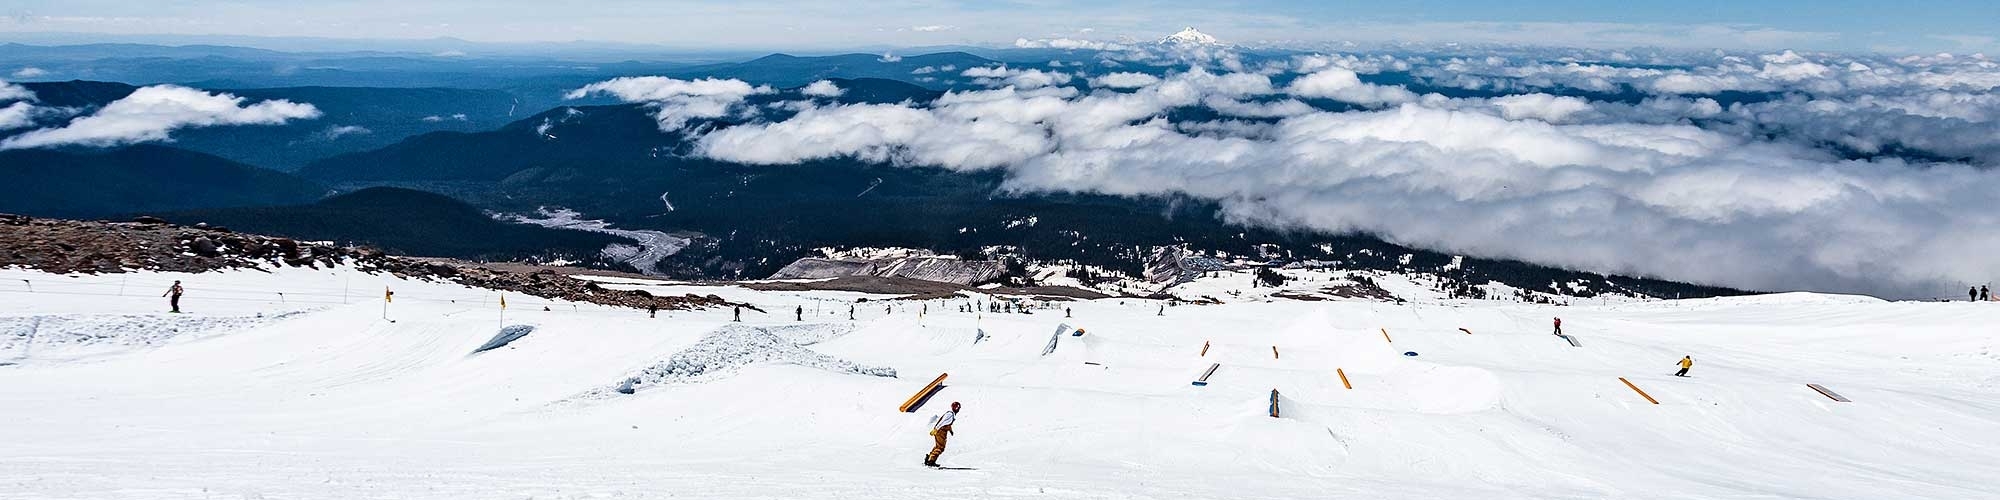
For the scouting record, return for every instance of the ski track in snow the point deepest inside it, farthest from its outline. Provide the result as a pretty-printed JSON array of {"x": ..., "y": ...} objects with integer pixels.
[
  {"x": 337, "y": 403},
  {"x": 48, "y": 337}
]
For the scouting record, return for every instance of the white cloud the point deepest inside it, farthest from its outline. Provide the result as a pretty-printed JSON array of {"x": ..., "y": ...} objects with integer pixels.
[
  {"x": 676, "y": 102},
  {"x": 337, "y": 131},
  {"x": 888, "y": 57},
  {"x": 1544, "y": 107},
  {"x": 1124, "y": 80},
  {"x": 151, "y": 113},
  {"x": 1541, "y": 178},
  {"x": 1342, "y": 84},
  {"x": 933, "y": 28},
  {"x": 1068, "y": 44},
  {"x": 1023, "y": 78},
  {"x": 822, "y": 88},
  {"x": 1247, "y": 109},
  {"x": 924, "y": 70},
  {"x": 30, "y": 72},
  {"x": 17, "y": 115},
  {"x": 12, "y": 92}
]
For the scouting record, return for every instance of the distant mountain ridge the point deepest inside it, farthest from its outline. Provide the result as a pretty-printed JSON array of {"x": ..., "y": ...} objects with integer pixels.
[
  {"x": 352, "y": 118},
  {"x": 410, "y": 222},
  {"x": 144, "y": 178}
]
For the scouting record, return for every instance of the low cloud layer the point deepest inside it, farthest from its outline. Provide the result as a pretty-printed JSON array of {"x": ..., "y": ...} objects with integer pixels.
[
  {"x": 12, "y": 92},
  {"x": 1764, "y": 195},
  {"x": 17, "y": 115},
  {"x": 678, "y": 101},
  {"x": 152, "y": 113}
]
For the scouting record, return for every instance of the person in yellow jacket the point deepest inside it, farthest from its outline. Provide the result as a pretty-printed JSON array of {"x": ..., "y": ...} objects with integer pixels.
[
  {"x": 1686, "y": 363},
  {"x": 940, "y": 429}
]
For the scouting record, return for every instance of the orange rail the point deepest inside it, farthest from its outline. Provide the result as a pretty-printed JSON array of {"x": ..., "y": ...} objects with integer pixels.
[
  {"x": 910, "y": 404},
  {"x": 1635, "y": 388}
]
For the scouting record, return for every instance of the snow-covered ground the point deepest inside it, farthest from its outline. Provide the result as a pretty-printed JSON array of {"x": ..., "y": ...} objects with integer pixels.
[{"x": 313, "y": 394}]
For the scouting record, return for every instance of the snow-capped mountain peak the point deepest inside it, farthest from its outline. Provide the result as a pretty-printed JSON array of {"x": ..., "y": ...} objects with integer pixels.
[{"x": 1190, "y": 36}]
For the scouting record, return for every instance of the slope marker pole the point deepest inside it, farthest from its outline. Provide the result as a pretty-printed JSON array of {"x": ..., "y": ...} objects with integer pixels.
[
  {"x": 1343, "y": 378},
  {"x": 1385, "y": 336}
]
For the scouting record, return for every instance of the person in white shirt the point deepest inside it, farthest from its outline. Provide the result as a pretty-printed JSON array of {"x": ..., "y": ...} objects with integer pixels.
[{"x": 940, "y": 428}]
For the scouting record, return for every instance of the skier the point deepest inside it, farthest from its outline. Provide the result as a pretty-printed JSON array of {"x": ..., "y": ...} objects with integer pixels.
[
  {"x": 1066, "y": 312},
  {"x": 652, "y": 310},
  {"x": 940, "y": 429},
  {"x": 800, "y": 313},
  {"x": 175, "y": 293},
  {"x": 1972, "y": 294},
  {"x": 1686, "y": 363},
  {"x": 1559, "y": 327},
  {"x": 850, "y": 312},
  {"x": 1984, "y": 295},
  {"x": 739, "y": 314}
]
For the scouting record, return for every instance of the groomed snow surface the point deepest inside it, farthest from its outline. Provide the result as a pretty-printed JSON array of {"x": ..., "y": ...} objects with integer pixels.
[{"x": 314, "y": 395}]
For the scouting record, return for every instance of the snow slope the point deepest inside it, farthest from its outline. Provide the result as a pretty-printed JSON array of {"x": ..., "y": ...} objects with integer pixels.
[{"x": 315, "y": 395}]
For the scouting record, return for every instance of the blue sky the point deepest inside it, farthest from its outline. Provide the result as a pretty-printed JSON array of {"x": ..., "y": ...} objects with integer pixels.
[{"x": 1848, "y": 25}]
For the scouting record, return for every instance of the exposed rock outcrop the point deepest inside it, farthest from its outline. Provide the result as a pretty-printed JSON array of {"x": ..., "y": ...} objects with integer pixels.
[{"x": 68, "y": 246}]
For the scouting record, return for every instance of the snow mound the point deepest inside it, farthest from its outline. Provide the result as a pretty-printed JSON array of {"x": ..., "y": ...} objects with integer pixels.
[
  {"x": 72, "y": 336},
  {"x": 507, "y": 334},
  {"x": 726, "y": 350}
]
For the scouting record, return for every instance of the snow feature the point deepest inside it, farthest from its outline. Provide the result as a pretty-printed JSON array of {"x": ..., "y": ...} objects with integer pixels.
[
  {"x": 45, "y": 337},
  {"x": 722, "y": 352},
  {"x": 507, "y": 335}
]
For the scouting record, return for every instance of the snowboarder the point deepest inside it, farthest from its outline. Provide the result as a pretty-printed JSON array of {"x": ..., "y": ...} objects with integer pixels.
[
  {"x": 1972, "y": 294},
  {"x": 1066, "y": 312},
  {"x": 174, "y": 293},
  {"x": 800, "y": 313},
  {"x": 1686, "y": 363},
  {"x": 1984, "y": 295},
  {"x": 652, "y": 310},
  {"x": 739, "y": 314},
  {"x": 1559, "y": 327},
  {"x": 940, "y": 429}
]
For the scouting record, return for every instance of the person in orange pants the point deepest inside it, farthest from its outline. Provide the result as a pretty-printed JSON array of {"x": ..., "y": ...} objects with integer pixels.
[{"x": 940, "y": 429}]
